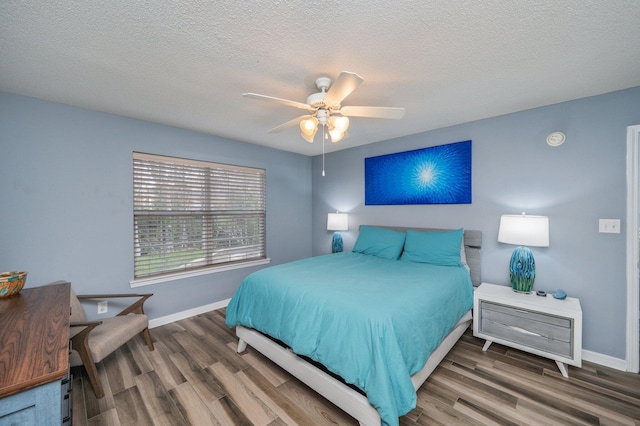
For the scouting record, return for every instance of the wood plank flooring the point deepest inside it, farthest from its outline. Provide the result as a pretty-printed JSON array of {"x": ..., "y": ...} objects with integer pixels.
[{"x": 195, "y": 377}]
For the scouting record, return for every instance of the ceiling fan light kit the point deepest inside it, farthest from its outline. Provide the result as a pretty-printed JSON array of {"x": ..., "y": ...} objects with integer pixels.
[{"x": 336, "y": 126}]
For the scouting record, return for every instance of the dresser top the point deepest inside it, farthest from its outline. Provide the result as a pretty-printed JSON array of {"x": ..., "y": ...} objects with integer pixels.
[{"x": 34, "y": 337}]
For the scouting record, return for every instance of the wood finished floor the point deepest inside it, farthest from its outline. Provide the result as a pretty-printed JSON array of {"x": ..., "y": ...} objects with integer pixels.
[{"x": 194, "y": 377}]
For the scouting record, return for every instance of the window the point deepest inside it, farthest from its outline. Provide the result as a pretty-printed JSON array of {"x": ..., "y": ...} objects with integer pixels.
[{"x": 193, "y": 214}]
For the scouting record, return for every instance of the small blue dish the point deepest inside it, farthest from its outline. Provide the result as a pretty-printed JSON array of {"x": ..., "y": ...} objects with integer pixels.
[{"x": 559, "y": 294}]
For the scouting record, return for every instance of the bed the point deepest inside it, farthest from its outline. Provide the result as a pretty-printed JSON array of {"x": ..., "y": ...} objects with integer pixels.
[{"x": 364, "y": 328}]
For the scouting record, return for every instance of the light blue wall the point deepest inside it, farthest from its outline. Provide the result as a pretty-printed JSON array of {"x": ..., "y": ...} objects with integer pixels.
[
  {"x": 67, "y": 199},
  {"x": 66, "y": 190},
  {"x": 514, "y": 170}
]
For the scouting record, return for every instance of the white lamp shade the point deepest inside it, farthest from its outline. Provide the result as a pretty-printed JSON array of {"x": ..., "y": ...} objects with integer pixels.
[
  {"x": 340, "y": 122},
  {"x": 336, "y": 135},
  {"x": 337, "y": 222},
  {"x": 308, "y": 138},
  {"x": 309, "y": 126},
  {"x": 524, "y": 230}
]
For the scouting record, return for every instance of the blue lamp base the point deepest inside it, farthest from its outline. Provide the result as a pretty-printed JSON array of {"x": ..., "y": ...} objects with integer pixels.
[
  {"x": 336, "y": 243},
  {"x": 522, "y": 270}
]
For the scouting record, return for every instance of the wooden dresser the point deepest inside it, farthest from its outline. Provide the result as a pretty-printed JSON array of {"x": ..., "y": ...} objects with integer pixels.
[{"x": 34, "y": 356}]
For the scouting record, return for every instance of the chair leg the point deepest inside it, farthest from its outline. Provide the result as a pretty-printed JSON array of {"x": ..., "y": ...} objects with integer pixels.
[
  {"x": 147, "y": 337},
  {"x": 92, "y": 372}
]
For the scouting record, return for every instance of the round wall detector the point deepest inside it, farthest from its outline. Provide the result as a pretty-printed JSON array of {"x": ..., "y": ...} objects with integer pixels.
[{"x": 556, "y": 139}]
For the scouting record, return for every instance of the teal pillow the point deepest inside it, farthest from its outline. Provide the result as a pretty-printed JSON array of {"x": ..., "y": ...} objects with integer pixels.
[
  {"x": 437, "y": 248},
  {"x": 380, "y": 242}
]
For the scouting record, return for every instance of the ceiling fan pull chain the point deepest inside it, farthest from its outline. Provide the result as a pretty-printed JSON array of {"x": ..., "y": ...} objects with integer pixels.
[{"x": 324, "y": 135}]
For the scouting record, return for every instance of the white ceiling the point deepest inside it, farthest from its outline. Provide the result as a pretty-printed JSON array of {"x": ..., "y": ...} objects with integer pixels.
[{"x": 186, "y": 63}]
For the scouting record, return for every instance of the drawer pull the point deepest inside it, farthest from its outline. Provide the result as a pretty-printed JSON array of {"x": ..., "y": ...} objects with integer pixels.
[
  {"x": 522, "y": 330},
  {"x": 520, "y": 311}
]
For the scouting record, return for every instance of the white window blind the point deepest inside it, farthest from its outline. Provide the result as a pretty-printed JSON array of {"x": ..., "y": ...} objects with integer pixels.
[{"x": 192, "y": 214}]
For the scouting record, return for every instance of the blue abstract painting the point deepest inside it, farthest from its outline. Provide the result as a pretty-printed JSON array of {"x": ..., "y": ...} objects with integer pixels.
[{"x": 434, "y": 175}]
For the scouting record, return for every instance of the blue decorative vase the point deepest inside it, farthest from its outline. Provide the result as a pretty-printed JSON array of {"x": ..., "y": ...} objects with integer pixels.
[
  {"x": 336, "y": 243},
  {"x": 522, "y": 270}
]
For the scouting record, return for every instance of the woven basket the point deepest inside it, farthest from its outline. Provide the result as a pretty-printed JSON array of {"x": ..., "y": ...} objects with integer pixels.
[{"x": 11, "y": 283}]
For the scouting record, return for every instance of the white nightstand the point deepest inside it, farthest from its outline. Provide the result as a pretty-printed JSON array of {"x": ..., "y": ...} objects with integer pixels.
[{"x": 539, "y": 325}]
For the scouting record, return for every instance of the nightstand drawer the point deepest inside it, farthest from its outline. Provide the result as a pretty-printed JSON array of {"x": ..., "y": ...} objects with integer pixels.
[
  {"x": 533, "y": 329},
  {"x": 527, "y": 314}
]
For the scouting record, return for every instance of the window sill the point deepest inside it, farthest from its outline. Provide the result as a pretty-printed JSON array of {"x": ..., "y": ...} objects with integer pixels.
[{"x": 181, "y": 275}]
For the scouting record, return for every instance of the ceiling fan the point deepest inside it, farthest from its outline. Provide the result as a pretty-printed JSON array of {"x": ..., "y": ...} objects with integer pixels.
[{"x": 325, "y": 108}]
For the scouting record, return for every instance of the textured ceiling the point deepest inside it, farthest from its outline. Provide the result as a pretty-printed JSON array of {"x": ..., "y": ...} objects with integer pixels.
[{"x": 186, "y": 63}]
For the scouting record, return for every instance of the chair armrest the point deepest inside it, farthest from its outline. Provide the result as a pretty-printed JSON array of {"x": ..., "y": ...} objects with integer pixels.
[
  {"x": 92, "y": 324},
  {"x": 111, "y": 296},
  {"x": 136, "y": 307},
  {"x": 81, "y": 336}
]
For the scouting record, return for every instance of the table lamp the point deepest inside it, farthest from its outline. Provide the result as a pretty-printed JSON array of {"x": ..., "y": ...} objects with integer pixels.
[
  {"x": 523, "y": 230},
  {"x": 337, "y": 222}
]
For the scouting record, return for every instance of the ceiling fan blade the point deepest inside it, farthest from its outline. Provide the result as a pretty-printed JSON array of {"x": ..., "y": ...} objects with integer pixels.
[
  {"x": 372, "y": 112},
  {"x": 346, "y": 83},
  {"x": 289, "y": 123},
  {"x": 278, "y": 100}
]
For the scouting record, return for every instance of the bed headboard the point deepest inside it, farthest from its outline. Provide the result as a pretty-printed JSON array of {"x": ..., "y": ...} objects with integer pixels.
[{"x": 472, "y": 248}]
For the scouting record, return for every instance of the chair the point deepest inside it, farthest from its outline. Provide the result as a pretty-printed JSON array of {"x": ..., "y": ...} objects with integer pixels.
[{"x": 92, "y": 341}]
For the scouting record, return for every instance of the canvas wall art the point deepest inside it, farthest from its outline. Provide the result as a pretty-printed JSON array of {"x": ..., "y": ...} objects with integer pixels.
[{"x": 435, "y": 175}]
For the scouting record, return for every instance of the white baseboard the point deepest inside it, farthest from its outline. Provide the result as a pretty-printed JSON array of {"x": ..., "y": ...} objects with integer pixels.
[
  {"x": 597, "y": 358},
  {"x": 605, "y": 360},
  {"x": 157, "y": 322}
]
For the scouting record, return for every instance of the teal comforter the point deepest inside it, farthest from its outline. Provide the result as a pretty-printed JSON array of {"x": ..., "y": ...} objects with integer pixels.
[{"x": 370, "y": 320}]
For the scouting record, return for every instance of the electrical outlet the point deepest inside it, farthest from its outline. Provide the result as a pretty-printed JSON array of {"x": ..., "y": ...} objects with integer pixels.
[
  {"x": 609, "y": 226},
  {"x": 103, "y": 307}
]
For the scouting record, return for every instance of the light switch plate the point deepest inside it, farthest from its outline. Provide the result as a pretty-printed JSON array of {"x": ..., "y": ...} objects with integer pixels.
[{"x": 609, "y": 226}]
